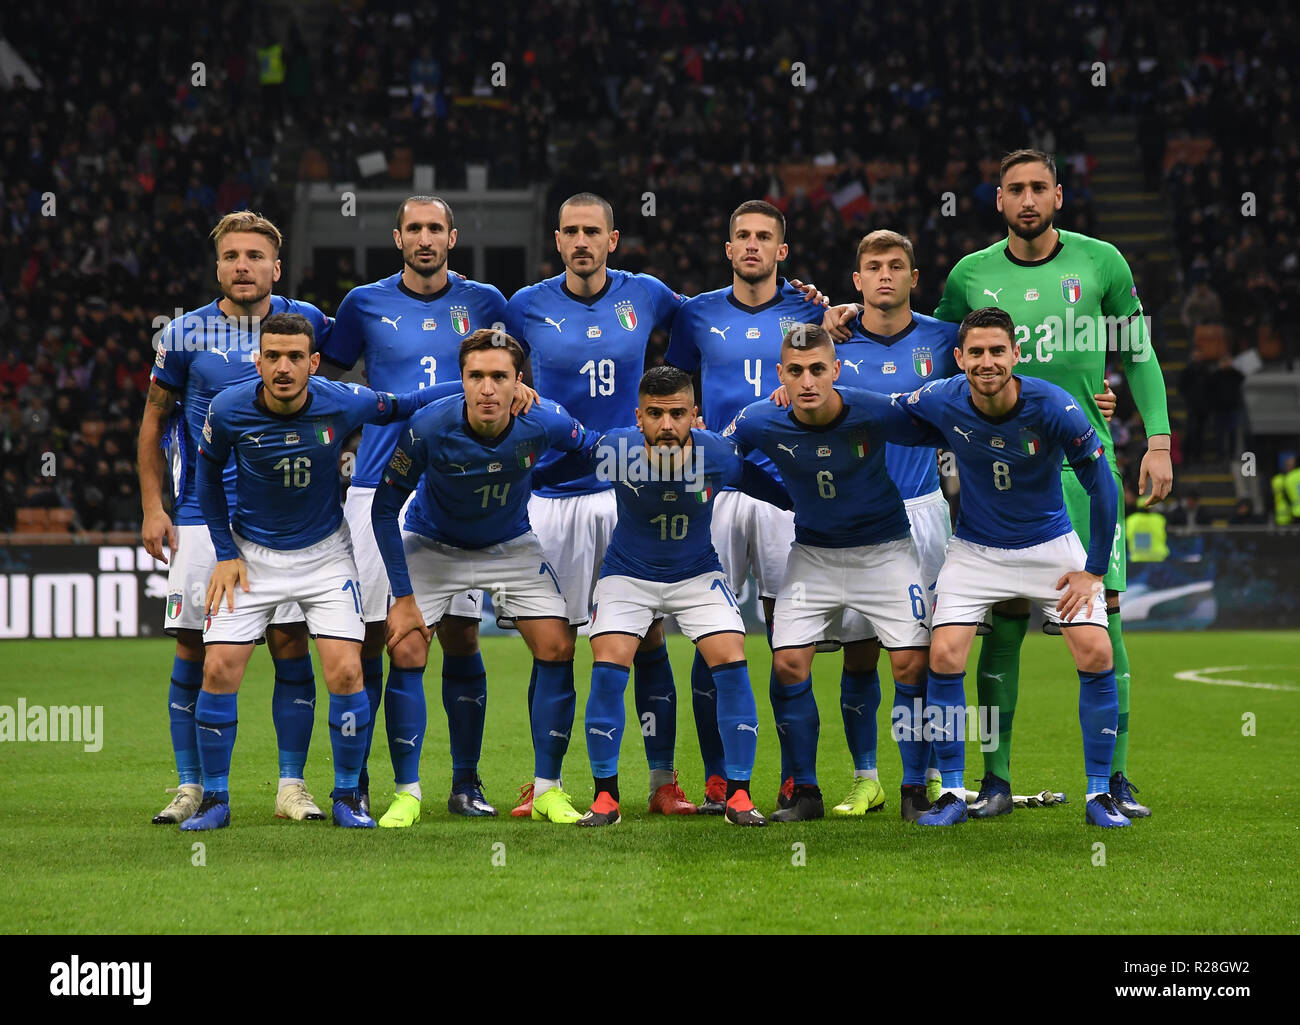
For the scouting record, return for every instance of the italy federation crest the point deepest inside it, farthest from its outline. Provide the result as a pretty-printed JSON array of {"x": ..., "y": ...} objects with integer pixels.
[
  {"x": 325, "y": 433},
  {"x": 526, "y": 455},
  {"x": 460, "y": 319},
  {"x": 1072, "y": 289},
  {"x": 174, "y": 601},
  {"x": 922, "y": 362},
  {"x": 1030, "y": 442},
  {"x": 626, "y": 315}
]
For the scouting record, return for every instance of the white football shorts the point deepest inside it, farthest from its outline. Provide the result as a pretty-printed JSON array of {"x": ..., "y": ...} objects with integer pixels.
[
  {"x": 322, "y": 579},
  {"x": 974, "y": 577},
  {"x": 574, "y": 533},
  {"x": 703, "y": 605},
  {"x": 750, "y": 534},
  {"x": 188, "y": 573}
]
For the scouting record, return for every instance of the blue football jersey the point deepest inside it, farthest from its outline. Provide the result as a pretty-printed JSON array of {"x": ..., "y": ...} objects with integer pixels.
[
  {"x": 736, "y": 348},
  {"x": 408, "y": 341},
  {"x": 199, "y": 355},
  {"x": 473, "y": 491},
  {"x": 588, "y": 354},
  {"x": 287, "y": 490},
  {"x": 1010, "y": 466},
  {"x": 901, "y": 363},
  {"x": 836, "y": 473},
  {"x": 663, "y": 532}
]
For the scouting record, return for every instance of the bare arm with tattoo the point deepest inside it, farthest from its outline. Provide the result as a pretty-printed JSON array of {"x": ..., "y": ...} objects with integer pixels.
[{"x": 157, "y": 526}]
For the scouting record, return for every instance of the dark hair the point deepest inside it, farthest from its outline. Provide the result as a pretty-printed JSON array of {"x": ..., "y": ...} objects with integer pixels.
[
  {"x": 665, "y": 380},
  {"x": 986, "y": 316},
  {"x": 803, "y": 337},
  {"x": 401, "y": 210},
  {"x": 491, "y": 338},
  {"x": 758, "y": 206},
  {"x": 288, "y": 324},
  {"x": 1026, "y": 156},
  {"x": 588, "y": 199}
]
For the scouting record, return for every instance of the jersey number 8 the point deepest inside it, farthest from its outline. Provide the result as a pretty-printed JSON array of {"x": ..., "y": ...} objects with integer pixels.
[{"x": 1001, "y": 476}]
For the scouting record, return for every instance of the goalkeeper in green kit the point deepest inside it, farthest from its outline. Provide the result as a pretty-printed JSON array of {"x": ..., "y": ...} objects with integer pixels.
[{"x": 1072, "y": 298}]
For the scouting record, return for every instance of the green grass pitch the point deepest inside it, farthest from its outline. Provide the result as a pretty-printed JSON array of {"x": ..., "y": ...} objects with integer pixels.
[{"x": 80, "y": 856}]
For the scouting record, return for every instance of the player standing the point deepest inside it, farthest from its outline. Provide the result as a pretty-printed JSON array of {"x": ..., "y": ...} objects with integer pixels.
[
  {"x": 408, "y": 328},
  {"x": 1014, "y": 540},
  {"x": 471, "y": 462},
  {"x": 585, "y": 333},
  {"x": 1060, "y": 288},
  {"x": 732, "y": 336},
  {"x": 199, "y": 354},
  {"x": 284, "y": 542},
  {"x": 852, "y": 549}
]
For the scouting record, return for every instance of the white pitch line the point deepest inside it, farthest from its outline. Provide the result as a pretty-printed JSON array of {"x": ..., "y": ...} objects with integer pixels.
[{"x": 1197, "y": 676}]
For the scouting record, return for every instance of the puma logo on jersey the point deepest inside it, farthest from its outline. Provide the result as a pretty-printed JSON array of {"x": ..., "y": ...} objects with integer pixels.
[
  {"x": 636, "y": 490},
  {"x": 474, "y": 700},
  {"x": 720, "y": 331},
  {"x": 556, "y": 323},
  {"x": 964, "y": 434},
  {"x": 1071, "y": 406},
  {"x": 256, "y": 439},
  {"x": 408, "y": 743},
  {"x": 852, "y": 363},
  {"x": 994, "y": 294},
  {"x": 745, "y": 726},
  {"x": 461, "y": 467},
  {"x": 788, "y": 448},
  {"x": 224, "y": 354},
  {"x": 386, "y": 320},
  {"x": 602, "y": 733}
]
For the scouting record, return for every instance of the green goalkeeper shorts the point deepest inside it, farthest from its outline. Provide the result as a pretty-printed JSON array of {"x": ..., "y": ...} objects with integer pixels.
[{"x": 1079, "y": 508}]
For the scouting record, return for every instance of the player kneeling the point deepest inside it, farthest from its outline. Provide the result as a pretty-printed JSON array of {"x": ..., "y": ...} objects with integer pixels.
[
  {"x": 471, "y": 462},
  {"x": 285, "y": 542},
  {"x": 661, "y": 561},
  {"x": 1014, "y": 540}
]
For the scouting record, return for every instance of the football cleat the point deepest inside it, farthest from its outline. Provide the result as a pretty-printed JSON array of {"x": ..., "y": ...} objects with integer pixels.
[
  {"x": 467, "y": 799},
  {"x": 213, "y": 813},
  {"x": 1122, "y": 790},
  {"x": 993, "y": 799},
  {"x": 949, "y": 810},
  {"x": 182, "y": 806},
  {"x": 865, "y": 795},
  {"x": 805, "y": 803},
  {"x": 933, "y": 788},
  {"x": 555, "y": 806},
  {"x": 740, "y": 810},
  {"x": 293, "y": 802},
  {"x": 604, "y": 812},
  {"x": 403, "y": 812},
  {"x": 1051, "y": 629},
  {"x": 915, "y": 802},
  {"x": 363, "y": 791},
  {"x": 669, "y": 800},
  {"x": 785, "y": 796},
  {"x": 524, "y": 808},
  {"x": 715, "y": 796},
  {"x": 347, "y": 810},
  {"x": 1102, "y": 810}
]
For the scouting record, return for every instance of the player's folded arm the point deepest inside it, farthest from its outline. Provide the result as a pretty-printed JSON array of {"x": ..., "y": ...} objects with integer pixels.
[{"x": 756, "y": 482}]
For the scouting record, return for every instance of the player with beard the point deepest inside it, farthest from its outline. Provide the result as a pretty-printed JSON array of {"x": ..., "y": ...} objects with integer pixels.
[
  {"x": 733, "y": 336},
  {"x": 586, "y": 332},
  {"x": 200, "y": 354},
  {"x": 1060, "y": 287},
  {"x": 408, "y": 328}
]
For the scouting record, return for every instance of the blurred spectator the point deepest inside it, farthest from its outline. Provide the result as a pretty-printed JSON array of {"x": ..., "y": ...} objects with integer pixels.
[
  {"x": 1245, "y": 514},
  {"x": 1202, "y": 305},
  {"x": 1189, "y": 512}
]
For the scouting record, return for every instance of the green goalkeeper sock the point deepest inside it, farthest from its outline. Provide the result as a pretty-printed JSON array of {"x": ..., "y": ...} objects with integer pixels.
[
  {"x": 998, "y": 685},
  {"x": 1120, "y": 762}
]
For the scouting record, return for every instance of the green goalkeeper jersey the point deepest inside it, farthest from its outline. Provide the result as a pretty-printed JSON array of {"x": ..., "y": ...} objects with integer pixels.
[{"x": 1069, "y": 310}]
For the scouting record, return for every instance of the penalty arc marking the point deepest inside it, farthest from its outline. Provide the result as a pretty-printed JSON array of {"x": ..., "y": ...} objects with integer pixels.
[{"x": 1202, "y": 676}]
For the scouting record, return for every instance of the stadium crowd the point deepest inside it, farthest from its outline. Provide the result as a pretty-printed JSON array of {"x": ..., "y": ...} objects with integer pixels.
[{"x": 115, "y": 170}]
